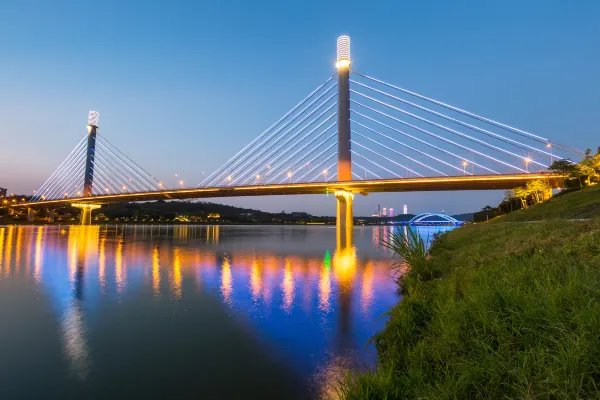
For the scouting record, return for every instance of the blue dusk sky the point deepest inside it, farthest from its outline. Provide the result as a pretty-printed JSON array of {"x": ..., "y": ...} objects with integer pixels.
[{"x": 181, "y": 86}]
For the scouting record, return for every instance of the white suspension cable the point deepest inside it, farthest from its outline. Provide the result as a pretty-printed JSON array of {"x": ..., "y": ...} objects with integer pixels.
[
  {"x": 457, "y": 121},
  {"x": 481, "y": 142},
  {"x": 458, "y": 110},
  {"x": 374, "y": 163},
  {"x": 66, "y": 179},
  {"x": 321, "y": 173},
  {"x": 403, "y": 144},
  {"x": 400, "y": 154},
  {"x": 429, "y": 133},
  {"x": 131, "y": 167},
  {"x": 230, "y": 165},
  {"x": 264, "y": 159},
  {"x": 364, "y": 168},
  {"x": 284, "y": 162},
  {"x": 75, "y": 150},
  {"x": 290, "y": 148},
  {"x": 318, "y": 165}
]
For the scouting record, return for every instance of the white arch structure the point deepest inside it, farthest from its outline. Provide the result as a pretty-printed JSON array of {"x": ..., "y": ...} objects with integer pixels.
[{"x": 443, "y": 219}]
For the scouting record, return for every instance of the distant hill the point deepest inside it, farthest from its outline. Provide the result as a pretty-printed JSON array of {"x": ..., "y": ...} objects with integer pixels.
[{"x": 464, "y": 217}]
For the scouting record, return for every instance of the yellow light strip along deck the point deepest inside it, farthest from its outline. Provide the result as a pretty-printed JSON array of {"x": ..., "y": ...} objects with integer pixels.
[{"x": 468, "y": 182}]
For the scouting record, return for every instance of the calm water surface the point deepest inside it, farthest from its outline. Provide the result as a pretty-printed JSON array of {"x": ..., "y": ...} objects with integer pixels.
[{"x": 187, "y": 311}]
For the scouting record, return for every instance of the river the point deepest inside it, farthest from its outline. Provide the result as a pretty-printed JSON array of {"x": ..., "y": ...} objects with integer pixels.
[{"x": 221, "y": 312}]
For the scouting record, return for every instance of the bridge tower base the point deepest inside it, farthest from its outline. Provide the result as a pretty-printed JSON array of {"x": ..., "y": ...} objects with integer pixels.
[
  {"x": 344, "y": 221},
  {"x": 51, "y": 215},
  {"x": 86, "y": 212},
  {"x": 30, "y": 214}
]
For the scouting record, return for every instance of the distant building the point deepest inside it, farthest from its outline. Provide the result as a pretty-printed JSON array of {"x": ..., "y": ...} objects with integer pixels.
[
  {"x": 2, "y": 193},
  {"x": 384, "y": 211},
  {"x": 405, "y": 209},
  {"x": 391, "y": 212},
  {"x": 214, "y": 215}
]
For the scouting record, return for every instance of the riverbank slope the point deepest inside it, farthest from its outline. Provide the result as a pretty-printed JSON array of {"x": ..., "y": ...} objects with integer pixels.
[{"x": 513, "y": 311}]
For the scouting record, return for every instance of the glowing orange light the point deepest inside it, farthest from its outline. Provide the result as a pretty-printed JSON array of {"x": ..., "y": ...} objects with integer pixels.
[{"x": 342, "y": 64}]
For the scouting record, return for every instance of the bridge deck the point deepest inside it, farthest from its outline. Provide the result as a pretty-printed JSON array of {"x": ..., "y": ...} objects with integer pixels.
[{"x": 468, "y": 182}]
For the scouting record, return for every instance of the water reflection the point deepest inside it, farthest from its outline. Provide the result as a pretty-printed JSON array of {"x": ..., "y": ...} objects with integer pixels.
[{"x": 293, "y": 291}]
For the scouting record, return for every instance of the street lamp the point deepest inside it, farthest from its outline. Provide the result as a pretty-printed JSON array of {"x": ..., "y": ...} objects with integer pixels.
[
  {"x": 464, "y": 164},
  {"x": 527, "y": 161},
  {"x": 181, "y": 183},
  {"x": 549, "y": 145},
  {"x": 289, "y": 174}
]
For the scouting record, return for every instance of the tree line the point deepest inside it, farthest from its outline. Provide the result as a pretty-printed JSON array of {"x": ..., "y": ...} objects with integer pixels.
[{"x": 577, "y": 176}]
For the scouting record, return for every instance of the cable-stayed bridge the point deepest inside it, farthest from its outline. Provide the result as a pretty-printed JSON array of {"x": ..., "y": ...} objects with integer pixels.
[{"x": 352, "y": 134}]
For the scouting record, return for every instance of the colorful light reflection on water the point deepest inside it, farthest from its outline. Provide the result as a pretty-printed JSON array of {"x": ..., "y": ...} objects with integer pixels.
[{"x": 225, "y": 311}]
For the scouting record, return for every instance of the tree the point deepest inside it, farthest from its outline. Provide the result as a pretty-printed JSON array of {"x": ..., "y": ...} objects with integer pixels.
[
  {"x": 522, "y": 194},
  {"x": 563, "y": 166},
  {"x": 537, "y": 188},
  {"x": 589, "y": 168},
  {"x": 509, "y": 197}
]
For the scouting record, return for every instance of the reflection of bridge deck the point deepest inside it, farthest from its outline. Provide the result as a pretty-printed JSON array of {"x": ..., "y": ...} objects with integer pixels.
[{"x": 467, "y": 182}]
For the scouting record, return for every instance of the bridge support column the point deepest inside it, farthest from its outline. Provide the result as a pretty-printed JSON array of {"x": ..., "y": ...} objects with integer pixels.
[
  {"x": 30, "y": 214},
  {"x": 344, "y": 221},
  {"x": 86, "y": 212},
  {"x": 51, "y": 215}
]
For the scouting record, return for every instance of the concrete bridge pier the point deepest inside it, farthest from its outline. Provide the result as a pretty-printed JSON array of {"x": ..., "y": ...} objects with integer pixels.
[
  {"x": 51, "y": 215},
  {"x": 86, "y": 212},
  {"x": 30, "y": 214},
  {"x": 344, "y": 221}
]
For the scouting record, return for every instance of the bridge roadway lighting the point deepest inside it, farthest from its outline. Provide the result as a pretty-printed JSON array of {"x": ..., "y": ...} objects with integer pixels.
[
  {"x": 464, "y": 164},
  {"x": 527, "y": 161}
]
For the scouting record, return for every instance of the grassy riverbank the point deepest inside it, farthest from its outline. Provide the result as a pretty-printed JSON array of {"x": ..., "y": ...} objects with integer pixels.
[{"x": 512, "y": 311}]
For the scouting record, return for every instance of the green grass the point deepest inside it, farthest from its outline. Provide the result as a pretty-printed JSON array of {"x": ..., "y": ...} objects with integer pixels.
[
  {"x": 512, "y": 311},
  {"x": 584, "y": 203}
]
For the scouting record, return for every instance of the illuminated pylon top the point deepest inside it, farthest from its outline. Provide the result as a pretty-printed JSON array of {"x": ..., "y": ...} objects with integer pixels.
[
  {"x": 93, "y": 118},
  {"x": 343, "y": 52}
]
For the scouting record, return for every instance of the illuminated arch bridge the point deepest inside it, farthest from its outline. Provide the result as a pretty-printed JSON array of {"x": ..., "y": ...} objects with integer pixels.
[{"x": 434, "y": 219}]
